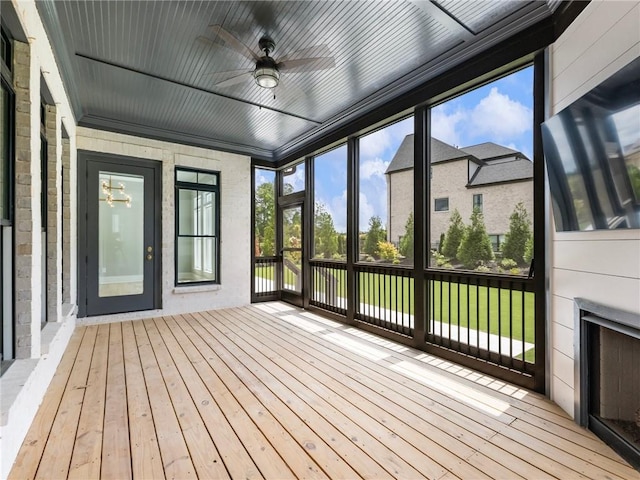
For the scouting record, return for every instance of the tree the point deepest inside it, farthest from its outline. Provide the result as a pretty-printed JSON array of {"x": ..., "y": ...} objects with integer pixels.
[
  {"x": 292, "y": 233},
  {"x": 475, "y": 247},
  {"x": 375, "y": 234},
  {"x": 269, "y": 241},
  {"x": 342, "y": 244},
  {"x": 454, "y": 236},
  {"x": 325, "y": 235},
  {"x": 406, "y": 243},
  {"x": 265, "y": 217},
  {"x": 519, "y": 232},
  {"x": 528, "y": 250}
]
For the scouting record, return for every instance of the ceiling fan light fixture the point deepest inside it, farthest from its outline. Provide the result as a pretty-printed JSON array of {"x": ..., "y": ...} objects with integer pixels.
[
  {"x": 266, "y": 73},
  {"x": 267, "y": 77}
]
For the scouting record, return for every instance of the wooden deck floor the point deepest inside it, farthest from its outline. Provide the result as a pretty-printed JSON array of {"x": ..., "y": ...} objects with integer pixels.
[{"x": 268, "y": 391}]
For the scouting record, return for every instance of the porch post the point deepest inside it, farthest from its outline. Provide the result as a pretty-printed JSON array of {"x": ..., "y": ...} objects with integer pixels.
[
  {"x": 307, "y": 230},
  {"x": 540, "y": 212},
  {"x": 420, "y": 223},
  {"x": 353, "y": 251}
]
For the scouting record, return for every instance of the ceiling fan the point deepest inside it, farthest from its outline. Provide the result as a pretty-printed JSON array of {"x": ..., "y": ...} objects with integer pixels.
[{"x": 266, "y": 72}]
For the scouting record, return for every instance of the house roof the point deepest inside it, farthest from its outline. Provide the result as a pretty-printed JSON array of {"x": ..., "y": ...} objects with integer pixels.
[
  {"x": 497, "y": 163},
  {"x": 488, "y": 150},
  {"x": 509, "y": 169},
  {"x": 440, "y": 152}
]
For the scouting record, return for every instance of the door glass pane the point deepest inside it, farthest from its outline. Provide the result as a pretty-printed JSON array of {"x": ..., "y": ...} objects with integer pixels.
[
  {"x": 292, "y": 242},
  {"x": 121, "y": 246}
]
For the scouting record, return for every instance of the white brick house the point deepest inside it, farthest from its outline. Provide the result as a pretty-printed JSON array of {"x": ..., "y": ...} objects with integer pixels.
[{"x": 488, "y": 175}]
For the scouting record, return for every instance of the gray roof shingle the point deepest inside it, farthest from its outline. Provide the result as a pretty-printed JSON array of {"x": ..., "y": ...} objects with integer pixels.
[
  {"x": 497, "y": 163},
  {"x": 488, "y": 150},
  {"x": 503, "y": 170},
  {"x": 440, "y": 152}
]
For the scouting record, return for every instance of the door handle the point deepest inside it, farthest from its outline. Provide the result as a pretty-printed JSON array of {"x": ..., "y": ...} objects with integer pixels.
[{"x": 149, "y": 250}]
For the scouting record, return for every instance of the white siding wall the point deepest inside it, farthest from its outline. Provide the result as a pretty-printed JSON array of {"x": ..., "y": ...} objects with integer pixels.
[
  {"x": 235, "y": 212},
  {"x": 602, "y": 266}
]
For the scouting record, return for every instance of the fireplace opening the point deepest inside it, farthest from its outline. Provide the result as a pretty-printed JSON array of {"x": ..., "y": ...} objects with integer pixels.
[{"x": 610, "y": 380}]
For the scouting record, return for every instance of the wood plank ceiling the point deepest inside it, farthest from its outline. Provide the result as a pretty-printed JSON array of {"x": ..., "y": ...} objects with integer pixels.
[{"x": 140, "y": 67}]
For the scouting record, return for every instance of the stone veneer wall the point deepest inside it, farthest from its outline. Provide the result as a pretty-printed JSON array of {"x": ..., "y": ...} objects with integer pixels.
[
  {"x": 27, "y": 233},
  {"x": 66, "y": 221},
  {"x": 54, "y": 224}
]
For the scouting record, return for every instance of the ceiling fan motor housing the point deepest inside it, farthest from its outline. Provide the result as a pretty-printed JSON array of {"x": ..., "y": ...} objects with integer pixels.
[{"x": 267, "y": 45}]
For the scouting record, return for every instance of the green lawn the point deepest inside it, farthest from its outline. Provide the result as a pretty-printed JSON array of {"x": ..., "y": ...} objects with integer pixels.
[{"x": 485, "y": 308}]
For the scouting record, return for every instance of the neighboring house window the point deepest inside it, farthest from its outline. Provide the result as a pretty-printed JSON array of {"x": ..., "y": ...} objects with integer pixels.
[
  {"x": 496, "y": 242},
  {"x": 477, "y": 201},
  {"x": 197, "y": 226},
  {"x": 441, "y": 204}
]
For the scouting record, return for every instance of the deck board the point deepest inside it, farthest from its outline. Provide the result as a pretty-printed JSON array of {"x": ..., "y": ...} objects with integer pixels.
[
  {"x": 87, "y": 450},
  {"x": 269, "y": 391},
  {"x": 28, "y": 460}
]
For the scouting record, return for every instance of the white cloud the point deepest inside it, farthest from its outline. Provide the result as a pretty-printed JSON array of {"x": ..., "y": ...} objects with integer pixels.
[
  {"x": 495, "y": 117},
  {"x": 374, "y": 145},
  {"x": 373, "y": 168},
  {"x": 500, "y": 117},
  {"x": 260, "y": 179},
  {"x": 338, "y": 209},
  {"x": 446, "y": 126},
  {"x": 366, "y": 212}
]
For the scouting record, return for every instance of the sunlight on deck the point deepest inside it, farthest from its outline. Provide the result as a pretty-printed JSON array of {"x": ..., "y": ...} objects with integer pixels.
[
  {"x": 470, "y": 396},
  {"x": 356, "y": 346},
  {"x": 472, "y": 375}
]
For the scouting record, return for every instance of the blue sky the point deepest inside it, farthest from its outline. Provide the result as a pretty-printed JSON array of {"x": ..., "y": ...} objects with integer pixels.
[{"x": 500, "y": 112}]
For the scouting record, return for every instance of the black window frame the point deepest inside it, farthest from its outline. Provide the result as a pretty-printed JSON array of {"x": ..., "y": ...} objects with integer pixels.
[
  {"x": 479, "y": 204},
  {"x": 199, "y": 187},
  {"x": 9, "y": 167},
  {"x": 6, "y": 51},
  {"x": 435, "y": 204},
  {"x": 7, "y": 215}
]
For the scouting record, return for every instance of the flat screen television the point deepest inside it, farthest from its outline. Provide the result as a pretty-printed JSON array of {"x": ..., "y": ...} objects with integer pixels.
[{"x": 592, "y": 151}]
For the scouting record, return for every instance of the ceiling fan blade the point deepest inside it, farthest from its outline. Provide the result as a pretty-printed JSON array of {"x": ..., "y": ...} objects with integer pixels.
[
  {"x": 227, "y": 73},
  {"x": 207, "y": 41},
  {"x": 315, "y": 52},
  {"x": 307, "y": 64},
  {"x": 233, "y": 80},
  {"x": 232, "y": 42}
]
